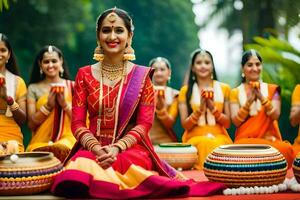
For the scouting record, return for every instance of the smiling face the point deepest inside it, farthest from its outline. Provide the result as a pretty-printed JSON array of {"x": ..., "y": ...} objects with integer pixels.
[
  {"x": 252, "y": 69},
  {"x": 202, "y": 66},
  {"x": 51, "y": 64},
  {"x": 161, "y": 73},
  {"x": 4, "y": 54},
  {"x": 113, "y": 35}
]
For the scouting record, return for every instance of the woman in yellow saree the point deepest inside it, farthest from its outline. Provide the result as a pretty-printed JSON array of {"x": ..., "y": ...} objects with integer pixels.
[
  {"x": 204, "y": 107},
  {"x": 49, "y": 104},
  {"x": 255, "y": 108},
  {"x": 166, "y": 103},
  {"x": 295, "y": 116},
  {"x": 12, "y": 97}
]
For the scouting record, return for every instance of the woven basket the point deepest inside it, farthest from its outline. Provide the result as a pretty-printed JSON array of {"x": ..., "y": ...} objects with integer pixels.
[
  {"x": 246, "y": 165},
  {"x": 32, "y": 172},
  {"x": 179, "y": 155},
  {"x": 296, "y": 167}
]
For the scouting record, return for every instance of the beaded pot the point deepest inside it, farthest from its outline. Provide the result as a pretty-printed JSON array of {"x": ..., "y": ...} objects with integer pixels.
[
  {"x": 296, "y": 167},
  {"x": 246, "y": 165},
  {"x": 27, "y": 173},
  {"x": 179, "y": 155}
]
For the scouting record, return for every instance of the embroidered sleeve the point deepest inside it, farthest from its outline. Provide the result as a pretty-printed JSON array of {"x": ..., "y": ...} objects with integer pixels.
[
  {"x": 182, "y": 94},
  {"x": 226, "y": 91},
  {"x": 233, "y": 97},
  {"x": 21, "y": 90},
  {"x": 296, "y": 96},
  {"x": 79, "y": 107}
]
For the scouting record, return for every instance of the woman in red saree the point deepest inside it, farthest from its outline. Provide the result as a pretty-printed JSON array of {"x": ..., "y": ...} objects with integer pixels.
[
  {"x": 114, "y": 158},
  {"x": 255, "y": 108}
]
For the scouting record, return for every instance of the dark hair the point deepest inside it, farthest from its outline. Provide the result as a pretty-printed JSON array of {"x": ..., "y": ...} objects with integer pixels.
[
  {"x": 11, "y": 65},
  {"x": 246, "y": 56},
  {"x": 121, "y": 13},
  {"x": 154, "y": 60},
  {"x": 193, "y": 78},
  {"x": 35, "y": 73}
]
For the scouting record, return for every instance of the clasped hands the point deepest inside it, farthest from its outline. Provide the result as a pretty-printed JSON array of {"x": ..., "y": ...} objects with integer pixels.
[
  {"x": 207, "y": 99},
  {"x": 254, "y": 92},
  {"x": 106, "y": 155}
]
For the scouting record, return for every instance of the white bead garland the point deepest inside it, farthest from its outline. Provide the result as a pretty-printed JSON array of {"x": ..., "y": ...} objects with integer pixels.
[
  {"x": 256, "y": 190},
  {"x": 291, "y": 184}
]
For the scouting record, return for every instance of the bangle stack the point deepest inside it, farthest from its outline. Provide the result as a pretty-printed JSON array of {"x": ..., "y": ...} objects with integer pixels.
[
  {"x": 45, "y": 110},
  {"x": 126, "y": 142},
  {"x": 243, "y": 113},
  {"x": 268, "y": 106}
]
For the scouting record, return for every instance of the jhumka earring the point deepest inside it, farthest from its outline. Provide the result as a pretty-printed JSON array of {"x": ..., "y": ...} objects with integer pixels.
[
  {"x": 243, "y": 75},
  {"x": 129, "y": 52},
  {"x": 41, "y": 73},
  {"x": 98, "y": 54},
  {"x": 212, "y": 76},
  {"x": 61, "y": 72}
]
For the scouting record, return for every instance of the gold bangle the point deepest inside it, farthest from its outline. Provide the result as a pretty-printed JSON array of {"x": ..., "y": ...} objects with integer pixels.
[
  {"x": 192, "y": 120},
  {"x": 15, "y": 106},
  {"x": 266, "y": 100},
  {"x": 239, "y": 118}
]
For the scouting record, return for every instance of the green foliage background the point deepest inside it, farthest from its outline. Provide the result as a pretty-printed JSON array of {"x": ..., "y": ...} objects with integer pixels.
[{"x": 162, "y": 28}]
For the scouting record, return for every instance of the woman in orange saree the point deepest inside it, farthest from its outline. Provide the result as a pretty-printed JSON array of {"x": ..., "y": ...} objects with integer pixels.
[
  {"x": 12, "y": 98},
  {"x": 166, "y": 109},
  {"x": 295, "y": 116},
  {"x": 114, "y": 158},
  {"x": 255, "y": 108}
]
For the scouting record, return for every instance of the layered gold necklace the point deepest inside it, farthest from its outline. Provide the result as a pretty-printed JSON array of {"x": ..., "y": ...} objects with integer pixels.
[{"x": 112, "y": 71}]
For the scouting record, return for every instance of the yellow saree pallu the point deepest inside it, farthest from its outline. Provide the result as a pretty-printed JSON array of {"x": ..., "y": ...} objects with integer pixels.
[
  {"x": 46, "y": 137},
  {"x": 9, "y": 129}
]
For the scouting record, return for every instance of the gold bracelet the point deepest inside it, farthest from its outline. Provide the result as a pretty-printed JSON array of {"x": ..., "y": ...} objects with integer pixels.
[
  {"x": 15, "y": 106},
  {"x": 264, "y": 101}
]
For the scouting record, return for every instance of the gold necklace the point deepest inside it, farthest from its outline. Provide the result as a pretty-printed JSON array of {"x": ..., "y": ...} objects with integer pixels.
[
  {"x": 118, "y": 99},
  {"x": 112, "y": 72}
]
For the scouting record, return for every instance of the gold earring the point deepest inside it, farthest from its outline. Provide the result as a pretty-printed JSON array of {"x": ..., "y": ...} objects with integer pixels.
[
  {"x": 129, "y": 52},
  {"x": 98, "y": 54},
  {"x": 212, "y": 76},
  {"x": 61, "y": 72},
  {"x": 243, "y": 75}
]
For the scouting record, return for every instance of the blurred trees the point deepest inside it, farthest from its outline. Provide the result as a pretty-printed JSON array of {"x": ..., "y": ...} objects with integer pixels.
[{"x": 161, "y": 29}]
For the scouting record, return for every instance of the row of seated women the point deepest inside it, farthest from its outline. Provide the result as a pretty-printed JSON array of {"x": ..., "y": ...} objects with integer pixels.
[
  {"x": 48, "y": 100},
  {"x": 206, "y": 106}
]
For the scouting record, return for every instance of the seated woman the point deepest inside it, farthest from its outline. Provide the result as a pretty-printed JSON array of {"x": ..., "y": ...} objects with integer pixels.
[
  {"x": 12, "y": 99},
  {"x": 49, "y": 104},
  {"x": 204, "y": 107},
  {"x": 166, "y": 103},
  {"x": 295, "y": 116},
  {"x": 255, "y": 108},
  {"x": 114, "y": 158}
]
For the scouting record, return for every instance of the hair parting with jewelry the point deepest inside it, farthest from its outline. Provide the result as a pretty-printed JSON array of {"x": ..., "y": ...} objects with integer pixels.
[
  {"x": 112, "y": 13},
  {"x": 246, "y": 56},
  {"x": 158, "y": 59},
  {"x": 36, "y": 75}
]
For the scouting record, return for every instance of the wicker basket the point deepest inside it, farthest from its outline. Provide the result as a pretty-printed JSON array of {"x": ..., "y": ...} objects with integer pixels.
[
  {"x": 296, "y": 168},
  {"x": 246, "y": 165},
  {"x": 179, "y": 155},
  {"x": 28, "y": 173}
]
